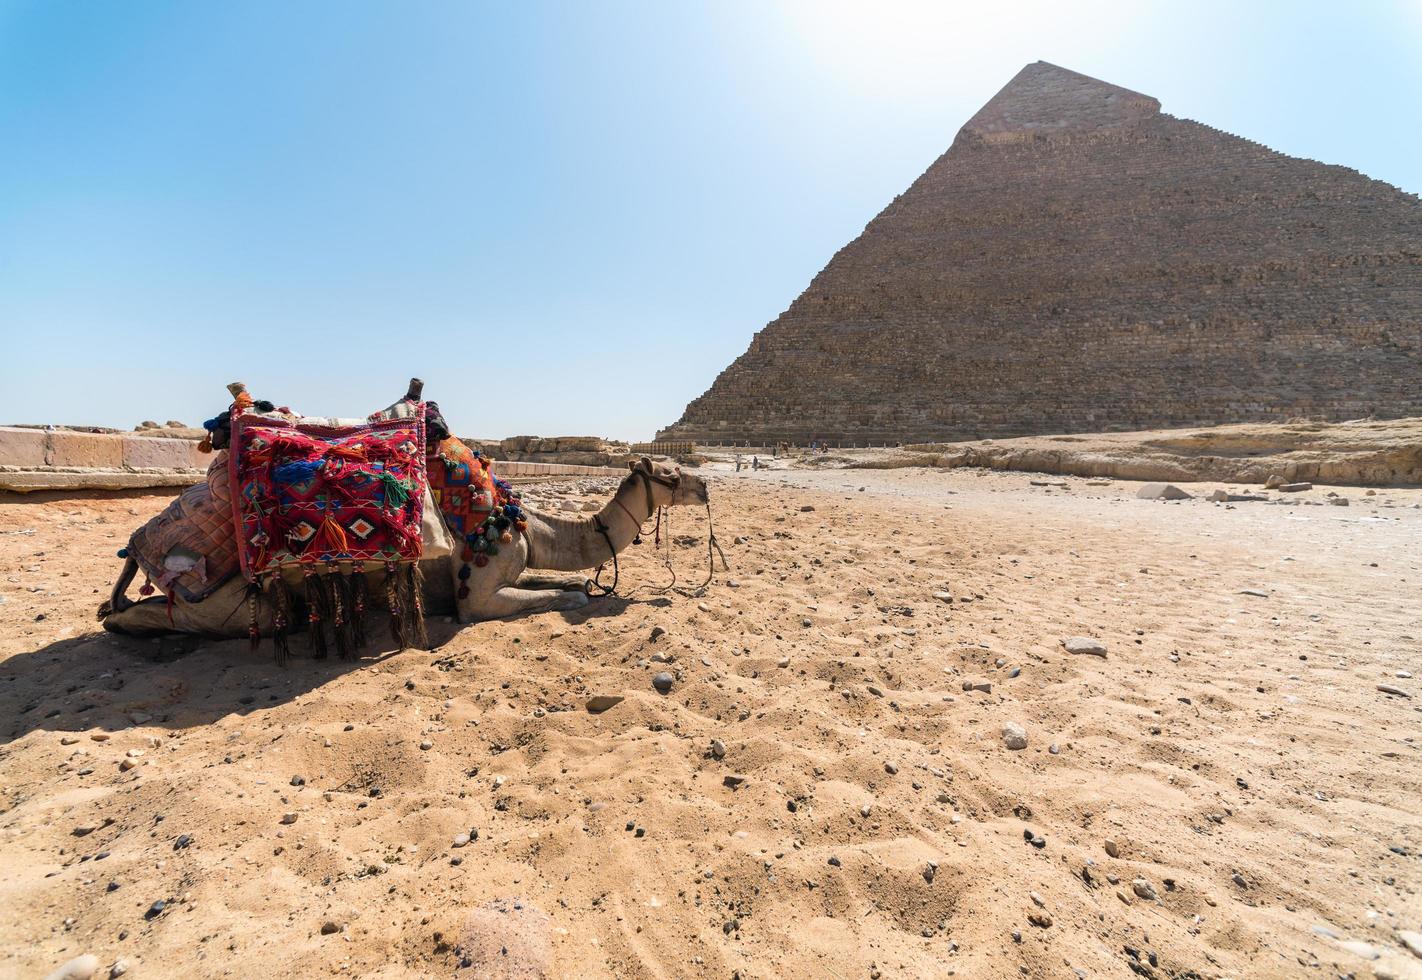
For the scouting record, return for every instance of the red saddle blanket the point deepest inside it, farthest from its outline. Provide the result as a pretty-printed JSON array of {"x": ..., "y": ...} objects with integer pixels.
[{"x": 311, "y": 495}]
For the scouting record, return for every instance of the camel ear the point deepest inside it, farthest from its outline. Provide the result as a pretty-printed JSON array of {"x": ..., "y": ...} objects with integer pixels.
[
  {"x": 631, "y": 464},
  {"x": 646, "y": 463}
]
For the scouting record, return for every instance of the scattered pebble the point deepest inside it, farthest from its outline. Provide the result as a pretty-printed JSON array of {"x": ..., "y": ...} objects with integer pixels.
[
  {"x": 79, "y": 968},
  {"x": 663, "y": 682},
  {"x": 1014, "y": 736},
  {"x": 1084, "y": 645}
]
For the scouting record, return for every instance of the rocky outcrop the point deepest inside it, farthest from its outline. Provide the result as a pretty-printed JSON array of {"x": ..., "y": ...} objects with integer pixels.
[
  {"x": 1079, "y": 261},
  {"x": 1361, "y": 453}
]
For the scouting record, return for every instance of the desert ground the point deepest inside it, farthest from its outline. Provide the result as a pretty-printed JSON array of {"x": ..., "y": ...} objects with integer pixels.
[{"x": 825, "y": 791}]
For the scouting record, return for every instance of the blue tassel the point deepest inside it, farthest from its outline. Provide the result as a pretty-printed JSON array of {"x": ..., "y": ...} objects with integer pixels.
[
  {"x": 123, "y": 552},
  {"x": 464, "y": 572},
  {"x": 297, "y": 472}
]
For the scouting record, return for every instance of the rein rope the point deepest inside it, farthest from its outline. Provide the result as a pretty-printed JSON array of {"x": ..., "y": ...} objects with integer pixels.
[{"x": 713, "y": 547}]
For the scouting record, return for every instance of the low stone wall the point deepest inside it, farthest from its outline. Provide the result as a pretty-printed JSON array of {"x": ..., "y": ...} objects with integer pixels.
[
  {"x": 70, "y": 459},
  {"x": 67, "y": 459}
]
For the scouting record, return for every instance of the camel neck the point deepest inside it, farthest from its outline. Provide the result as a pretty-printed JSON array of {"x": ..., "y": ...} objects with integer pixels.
[{"x": 625, "y": 514}]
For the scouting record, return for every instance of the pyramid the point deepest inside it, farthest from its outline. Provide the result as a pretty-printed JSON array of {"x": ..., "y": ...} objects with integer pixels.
[{"x": 1081, "y": 261}]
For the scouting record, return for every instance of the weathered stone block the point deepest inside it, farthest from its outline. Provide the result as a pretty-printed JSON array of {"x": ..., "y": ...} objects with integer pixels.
[
  {"x": 86, "y": 449},
  {"x": 21, "y": 447},
  {"x": 143, "y": 452}
]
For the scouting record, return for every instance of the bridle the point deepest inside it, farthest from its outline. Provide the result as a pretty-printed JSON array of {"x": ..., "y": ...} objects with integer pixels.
[{"x": 672, "y": 483}]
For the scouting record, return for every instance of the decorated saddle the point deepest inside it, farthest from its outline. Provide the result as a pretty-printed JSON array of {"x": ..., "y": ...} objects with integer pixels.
[
  {"x": 315, "y": 512},
  {"x": 329, "y": 503}
]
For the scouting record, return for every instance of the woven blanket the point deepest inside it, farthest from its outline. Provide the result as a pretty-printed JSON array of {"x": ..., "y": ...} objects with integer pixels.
[
  {"x": 189, "y": 550},
  {"x": 480, "y": 509},
  {"x": 309, "y": 495}
]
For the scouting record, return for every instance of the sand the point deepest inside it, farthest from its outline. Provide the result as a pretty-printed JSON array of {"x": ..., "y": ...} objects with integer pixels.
[{"x": 1234, "y": 748}]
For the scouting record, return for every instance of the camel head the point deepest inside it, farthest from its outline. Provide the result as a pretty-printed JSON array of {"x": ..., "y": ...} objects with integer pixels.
[{"x": 665, "y": 484}]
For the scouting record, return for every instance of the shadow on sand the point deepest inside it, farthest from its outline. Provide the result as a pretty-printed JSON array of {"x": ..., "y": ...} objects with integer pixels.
[{"x": 102, "y": 682}]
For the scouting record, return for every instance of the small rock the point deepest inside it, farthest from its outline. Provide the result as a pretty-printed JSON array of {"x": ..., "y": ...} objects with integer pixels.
[
  {"x": 79, "y": 968},
  {"x": 1412, "y": 940},
  {"x": 663, "y": 682},
  {"x": 1054, "y": 748},
  {"x": 1037, "y": 900},
  {"x": 119, "y": 968},
  {"x": 1395, "y": 691},
  {"x": 1040, "y": 919},
  {"x": 156, "y": 909},
  {"x": 1161, "y": 491},
  {"x": 460, "y": 840},
  {"x": 298, "y": 781},
  {"x": 834, "y": 862},
  {"x": 656, "y": 634},
  {"x": 1144, "y": 889},
  {"x": 734, "y": 780},
  {"x": 1084, "y": 645},
  {"x": 1112, "y": 848},
  {"x": 1293, "y": 487},
  {"x": 783, "y": 662},
  {"x": 718, "y": 748},
  {"x": 1014, "y": 736},
  {"x": 1357, "y": 948},
  {"x": 329, "y": 928},
  {"x": 943, "y": 596},
  {"x": 288, "y": 818},
  {"x": 1238, "y": 879},
  {"x": 890, "y": 768},
  {"x": 1257, "y": 593},
  {"x": 599, "y": 703}
]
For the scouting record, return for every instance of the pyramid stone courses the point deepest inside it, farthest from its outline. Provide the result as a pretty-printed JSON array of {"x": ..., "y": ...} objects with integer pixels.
[{"x": 1080, "y": 261}]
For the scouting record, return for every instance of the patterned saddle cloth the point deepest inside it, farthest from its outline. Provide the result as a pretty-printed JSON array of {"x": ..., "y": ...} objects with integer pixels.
[{"x": 311, "y": 495}]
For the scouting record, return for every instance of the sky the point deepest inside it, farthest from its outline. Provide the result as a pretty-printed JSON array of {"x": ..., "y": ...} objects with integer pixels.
[{"x": 566, "y": 217}]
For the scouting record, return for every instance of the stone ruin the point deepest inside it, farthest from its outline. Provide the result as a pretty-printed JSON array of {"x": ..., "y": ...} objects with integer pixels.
[{"x": 1080, "y": 261}]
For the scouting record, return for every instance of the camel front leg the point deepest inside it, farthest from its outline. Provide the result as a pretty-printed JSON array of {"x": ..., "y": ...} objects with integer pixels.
[
  {"x": 511, "y": 601},
  {"x": 118, "y": 602}
]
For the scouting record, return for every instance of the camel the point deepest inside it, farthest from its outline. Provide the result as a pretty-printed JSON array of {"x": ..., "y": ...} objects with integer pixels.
[{"x": 551, "y": 543}]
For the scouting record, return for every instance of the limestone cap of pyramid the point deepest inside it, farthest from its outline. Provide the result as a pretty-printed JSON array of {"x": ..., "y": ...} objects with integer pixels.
[{"x": 1043, "y": 100}]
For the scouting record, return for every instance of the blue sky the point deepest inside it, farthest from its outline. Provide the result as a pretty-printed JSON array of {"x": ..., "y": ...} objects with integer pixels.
[{"x": 566, "y": 217}]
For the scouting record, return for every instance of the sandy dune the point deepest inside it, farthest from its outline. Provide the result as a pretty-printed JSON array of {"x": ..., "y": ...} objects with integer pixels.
[{"x": 1234, "y": 748}]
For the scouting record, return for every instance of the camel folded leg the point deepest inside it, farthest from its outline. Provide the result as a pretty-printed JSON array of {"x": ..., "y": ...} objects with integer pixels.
[
  {"x": 118, "y": 601},
  {"x": 511, "y": 601}
]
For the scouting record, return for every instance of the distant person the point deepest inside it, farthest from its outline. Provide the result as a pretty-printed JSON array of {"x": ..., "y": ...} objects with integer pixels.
[
  {"x": 755, "y": 462},
  {"x": 738, "y": 462}
]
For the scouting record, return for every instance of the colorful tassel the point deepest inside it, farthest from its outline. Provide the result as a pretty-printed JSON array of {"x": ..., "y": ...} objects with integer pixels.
[
  {"x": 315, "y": 608},
  {"x": 360, "y": 590},
  {"x": 254, "y": 626},
  {"x": 339, "y": 626},
  {"x": 397, "y": 491},
  {"x": 414, "y": 590},
  {"x": 392, "y": 602}
]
